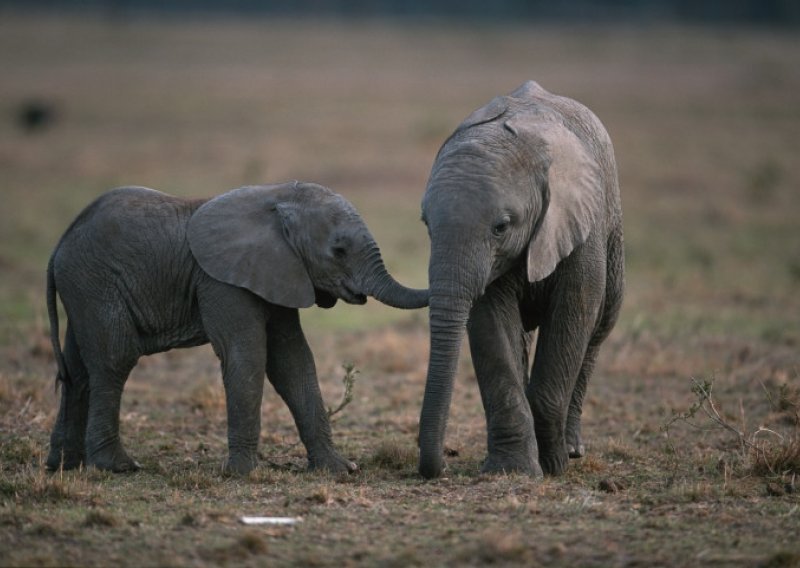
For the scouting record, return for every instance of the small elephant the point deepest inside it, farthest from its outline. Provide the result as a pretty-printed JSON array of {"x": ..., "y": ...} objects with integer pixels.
[
  {"x": 523, "y": 211},
  {"x": 142, "y": 272}
]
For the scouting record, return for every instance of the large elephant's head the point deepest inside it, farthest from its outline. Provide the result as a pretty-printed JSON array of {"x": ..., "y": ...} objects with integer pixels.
[
  {"x": 294, "y": 244},
  {"x": 513, "y": 184}
]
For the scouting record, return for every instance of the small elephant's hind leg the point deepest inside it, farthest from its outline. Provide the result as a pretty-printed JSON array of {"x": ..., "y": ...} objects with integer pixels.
[
  {"x": 291, "y": 370},
  {"x": 109, "y": 361},
  {"x": 68, "y": 439},
  {"x": 103, "y": 444},
  {"x": 610, "y": 312}
]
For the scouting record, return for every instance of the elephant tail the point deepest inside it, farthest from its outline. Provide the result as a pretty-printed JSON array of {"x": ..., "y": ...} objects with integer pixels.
[{"x": 52, "y": 313}]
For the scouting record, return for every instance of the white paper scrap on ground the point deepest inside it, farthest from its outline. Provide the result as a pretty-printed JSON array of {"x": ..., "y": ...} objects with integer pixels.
[{"x": 270, "y": 520}]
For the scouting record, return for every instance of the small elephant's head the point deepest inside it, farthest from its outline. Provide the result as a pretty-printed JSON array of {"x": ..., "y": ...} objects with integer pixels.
[
  {"x": 516, "y": 185},
  {"x": 294, "y": 244}
]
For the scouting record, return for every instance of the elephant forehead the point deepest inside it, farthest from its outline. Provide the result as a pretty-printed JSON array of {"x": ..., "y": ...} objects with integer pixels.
[
  {"x": 475, "y": 180},
  {"x": 456, "y": 205}
]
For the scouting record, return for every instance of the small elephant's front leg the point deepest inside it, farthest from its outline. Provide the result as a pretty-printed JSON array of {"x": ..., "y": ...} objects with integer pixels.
[
  {"x": 499, "y": 352},
  {"x": 291, "y": 370},
  {"x": 243, "y": 376},
  {"x": 235, "y": 322}
]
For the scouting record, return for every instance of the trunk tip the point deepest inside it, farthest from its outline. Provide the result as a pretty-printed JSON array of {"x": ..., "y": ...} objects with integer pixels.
[{"x": 430, "y": 467}]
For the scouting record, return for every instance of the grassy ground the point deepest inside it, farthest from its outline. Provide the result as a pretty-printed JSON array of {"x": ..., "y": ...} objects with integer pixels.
[{"x": 705, "y": 124}]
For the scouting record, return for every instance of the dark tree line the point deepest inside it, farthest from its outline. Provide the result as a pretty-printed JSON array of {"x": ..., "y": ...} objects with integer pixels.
[{"x": 768, "y": 12}]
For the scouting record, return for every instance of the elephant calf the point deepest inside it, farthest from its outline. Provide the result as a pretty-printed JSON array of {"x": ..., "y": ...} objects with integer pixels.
[
  {"x": 141, "y": 272},
  {"x": 523, "y": 211}
]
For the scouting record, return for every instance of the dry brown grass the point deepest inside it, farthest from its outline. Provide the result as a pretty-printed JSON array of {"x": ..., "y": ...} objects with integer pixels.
[{"x": 705, "y": 125}]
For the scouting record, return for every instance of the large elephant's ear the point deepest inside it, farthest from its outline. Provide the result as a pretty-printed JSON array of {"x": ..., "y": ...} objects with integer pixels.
[
  {"x": 487, "y": 113},
  {"x": 238, "y": 238},
  {"x": 573, "y": 197}
]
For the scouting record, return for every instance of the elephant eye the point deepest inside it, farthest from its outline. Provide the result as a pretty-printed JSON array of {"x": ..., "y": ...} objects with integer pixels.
[
  {"x": 501, "y": 226},
  {"x": 339, "y": 252}
]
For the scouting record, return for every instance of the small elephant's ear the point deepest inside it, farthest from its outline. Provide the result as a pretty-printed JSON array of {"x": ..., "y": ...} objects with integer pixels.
[
  {"x": 238, "y": 238},
  {"x": 573, "y": 197}
]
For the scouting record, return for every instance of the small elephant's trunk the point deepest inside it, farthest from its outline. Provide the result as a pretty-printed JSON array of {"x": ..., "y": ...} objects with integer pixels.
[{"x": 378, "y": 283}]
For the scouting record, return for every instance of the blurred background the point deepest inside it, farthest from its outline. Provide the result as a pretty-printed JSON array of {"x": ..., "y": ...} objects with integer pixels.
[
  {"x": 701, "y": 99},
  {"x": 702, "y": 102}
]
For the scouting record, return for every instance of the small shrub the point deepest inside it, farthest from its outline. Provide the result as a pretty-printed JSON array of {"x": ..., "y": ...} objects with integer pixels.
[
  {"x": 248, "y": 544},
  {"x": 777, "y": 458},
  {"x": 192, "y": 479},
  {"x": 100, "y": 519},
  {"x": 502, "y": 548},
  {"x": 206, "y": 399},
  {"x": 782, "y": 559},
  {"x": 321, "y": 495},
  {"x": 253, "y": 543},
  {"x": 394, "y": 455},
  {"x": 765, "y": 451}
]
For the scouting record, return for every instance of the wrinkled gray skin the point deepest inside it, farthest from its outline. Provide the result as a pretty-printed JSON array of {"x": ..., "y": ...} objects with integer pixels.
[
  {"x": 141, "y": 272},
  {"x": 523, "y": 211}
]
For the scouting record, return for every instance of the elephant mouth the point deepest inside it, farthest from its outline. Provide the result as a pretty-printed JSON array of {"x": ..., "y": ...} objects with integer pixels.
[
  {"x": 352, "y": 297},
  {"x": 324, "y": 299}
]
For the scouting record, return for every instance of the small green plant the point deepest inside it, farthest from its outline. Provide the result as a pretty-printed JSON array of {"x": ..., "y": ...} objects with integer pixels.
[{"x": 349, "y": 380}]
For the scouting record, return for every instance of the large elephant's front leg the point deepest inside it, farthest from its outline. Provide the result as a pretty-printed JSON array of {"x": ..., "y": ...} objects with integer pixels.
[
  {"x": 499, "y": 347},
  {"x": 291, "y": 370}
]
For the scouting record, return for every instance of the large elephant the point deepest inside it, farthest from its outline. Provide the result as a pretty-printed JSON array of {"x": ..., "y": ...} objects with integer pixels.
[
  {"x": 141, "y": 272},
  {"x": 524, "y": 216}
]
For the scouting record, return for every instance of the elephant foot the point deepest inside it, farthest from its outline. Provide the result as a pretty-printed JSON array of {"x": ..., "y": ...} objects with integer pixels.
[
  {"x": 575, "y": 447},
  {"x": 240, "y": 464},
  {"x": 61, "y": 459},
  {"x": 115, "y": 460},
  {"x": 505, "y": 465},
  {"x": 553, "y": 464},
  {"x": 576, "y": 450},
  {"x": 332, "y": 462}
]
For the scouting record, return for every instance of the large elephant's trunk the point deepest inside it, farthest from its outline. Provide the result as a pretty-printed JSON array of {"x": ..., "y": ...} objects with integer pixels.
[
  {"x": 453, "y": 289},
  {"x": 378, "y": 283},
  {"x": 447, "y": 324}
]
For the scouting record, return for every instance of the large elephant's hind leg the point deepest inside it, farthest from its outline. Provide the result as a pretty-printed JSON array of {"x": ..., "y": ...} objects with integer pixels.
[
  {"x": 291, "y": 370},
  {"x": 575, "y": 447},
  {"x": 68, "y": 439},
  {"x": 610, "y": 311},
  {"x": 561, "y": 349},
  {"x": 559, "y": 355}
]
